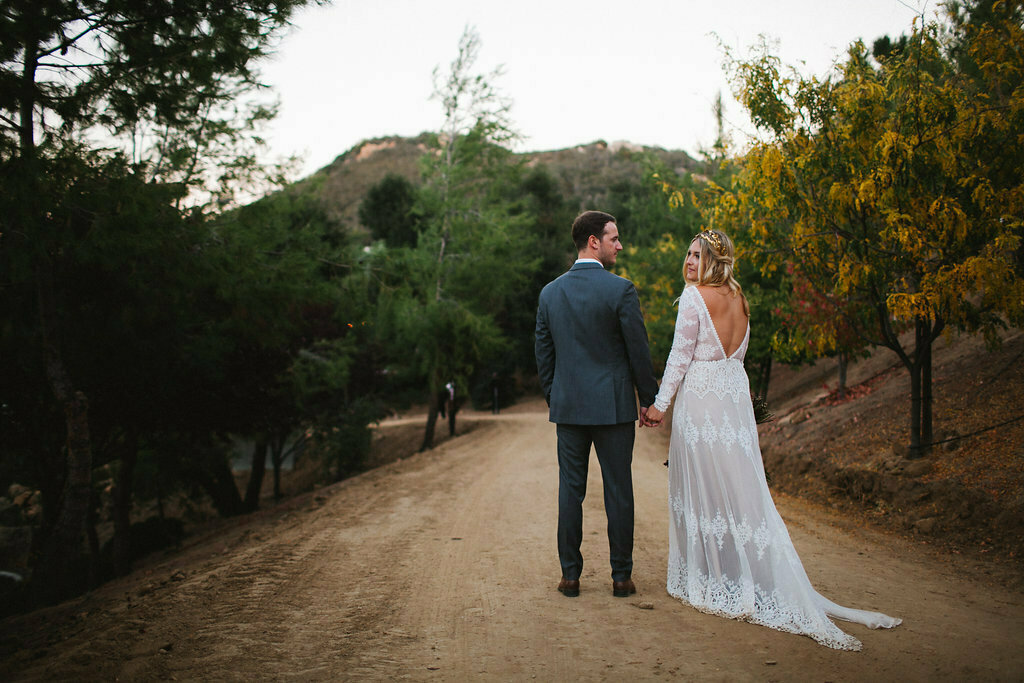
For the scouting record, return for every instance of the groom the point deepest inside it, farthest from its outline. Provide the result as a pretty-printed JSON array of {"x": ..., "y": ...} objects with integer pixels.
[{"x": 591, "y": 352}]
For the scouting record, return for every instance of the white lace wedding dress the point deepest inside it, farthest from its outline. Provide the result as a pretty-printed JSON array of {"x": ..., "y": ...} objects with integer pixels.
[{"x": 729, "y": 551}]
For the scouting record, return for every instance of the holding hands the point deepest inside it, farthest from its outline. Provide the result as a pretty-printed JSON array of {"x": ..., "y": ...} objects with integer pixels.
[{"x": 651, "y": 417}]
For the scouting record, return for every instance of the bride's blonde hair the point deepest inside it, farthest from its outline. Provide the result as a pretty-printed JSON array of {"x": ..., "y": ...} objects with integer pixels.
[{"x": 715, "y": 266}]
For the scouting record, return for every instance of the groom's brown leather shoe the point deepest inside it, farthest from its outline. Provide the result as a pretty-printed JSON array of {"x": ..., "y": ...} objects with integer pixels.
[
  {"x": 570, "y": 588},
  {"x": 623, "y": 589}
]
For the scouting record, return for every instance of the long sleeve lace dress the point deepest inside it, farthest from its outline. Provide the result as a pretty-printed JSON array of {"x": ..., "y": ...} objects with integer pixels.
[{"x": 729, "y": 551}]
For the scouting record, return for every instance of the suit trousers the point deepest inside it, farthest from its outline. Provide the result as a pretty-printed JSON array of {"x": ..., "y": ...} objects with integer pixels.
[{"x": 614, "y": 447}]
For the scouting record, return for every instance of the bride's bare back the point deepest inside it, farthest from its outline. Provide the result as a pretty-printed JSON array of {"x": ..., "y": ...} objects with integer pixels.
[{"x": 727, "y": 315}]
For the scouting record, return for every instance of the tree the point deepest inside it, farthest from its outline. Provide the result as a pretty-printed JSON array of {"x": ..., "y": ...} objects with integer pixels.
[
  {"x": 387, "y": 211},
  {"x": 896, "y": 187},
  {"x": 73, "y": 72},
  {"x": 470, "y": 260},
  {"x": 810, "y": 328}
]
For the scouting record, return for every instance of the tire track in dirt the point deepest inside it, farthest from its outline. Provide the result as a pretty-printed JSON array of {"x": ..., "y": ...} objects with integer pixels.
[
  {"x": 285, "y": 594},
  {"x": 317, "y": 601},
  {"x": 475, "y": 606}
]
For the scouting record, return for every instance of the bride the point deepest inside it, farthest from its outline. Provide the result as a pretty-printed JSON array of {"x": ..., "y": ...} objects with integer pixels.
[{"x": 729, "y": 551}]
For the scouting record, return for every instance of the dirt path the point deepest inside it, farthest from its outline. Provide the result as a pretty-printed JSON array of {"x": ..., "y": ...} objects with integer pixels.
[{"x": 443, "y": 567}]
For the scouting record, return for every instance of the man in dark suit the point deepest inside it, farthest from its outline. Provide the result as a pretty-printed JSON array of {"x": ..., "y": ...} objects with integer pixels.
[{"x": 591, "y": 352}]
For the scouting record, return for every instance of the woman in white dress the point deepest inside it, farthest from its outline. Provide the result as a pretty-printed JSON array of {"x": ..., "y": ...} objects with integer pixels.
[{"x": 729, "y": 551}]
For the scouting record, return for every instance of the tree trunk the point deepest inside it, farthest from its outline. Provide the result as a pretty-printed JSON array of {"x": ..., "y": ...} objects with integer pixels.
[
  {"x": 219, "y": 483},
  {"x": 927, "y": 435},
  {"x": 440, "y": 265},
  {"x": 277, "y": 459},
  {"x": 764, "y": 375},
  {"x": 915, "y": 390},
  {"x": 259, "y": 468},
  {"x": 428, "y": 433},
  {"x": 93, "y": 538},
  {"x": 59, "y": 567},
  {"x": 122, "y": 495},
  {"x": 59, "y": 564}
]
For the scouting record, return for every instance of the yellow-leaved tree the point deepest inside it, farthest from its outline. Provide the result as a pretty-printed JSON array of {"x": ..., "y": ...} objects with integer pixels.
[{"x": 895, "y": 185}]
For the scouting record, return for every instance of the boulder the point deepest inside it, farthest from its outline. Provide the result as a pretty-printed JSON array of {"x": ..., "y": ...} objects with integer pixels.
[
  {"x": 916, "y": 468},
  {"x": 14, "y": 490}
]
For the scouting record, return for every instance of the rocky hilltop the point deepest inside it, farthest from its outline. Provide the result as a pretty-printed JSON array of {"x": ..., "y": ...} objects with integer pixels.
[{"x": 588, "y": 172}]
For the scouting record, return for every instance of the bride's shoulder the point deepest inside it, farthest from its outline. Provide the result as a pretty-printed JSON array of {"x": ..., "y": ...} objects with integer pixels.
[
  {"x": 686, "y": 298},
  {"x": 689, "y": 292}
]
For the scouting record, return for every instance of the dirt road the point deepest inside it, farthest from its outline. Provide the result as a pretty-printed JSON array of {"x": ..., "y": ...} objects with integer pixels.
[{"x": 443, "y": 567}]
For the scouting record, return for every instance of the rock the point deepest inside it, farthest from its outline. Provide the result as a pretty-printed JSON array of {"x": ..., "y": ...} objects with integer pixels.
[
  {"x": 32, "y": 512},
  {"x": 919, "y": 493},
  {"x": 14, "y": 490},
  {"x": 890, "y": 484},
  {"x": 916, "y": 468},
  {"x": 926, "y": 525}
]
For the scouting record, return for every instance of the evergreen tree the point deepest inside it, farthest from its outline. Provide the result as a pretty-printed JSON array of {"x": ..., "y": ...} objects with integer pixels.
[{"x": 71, "y": 72}]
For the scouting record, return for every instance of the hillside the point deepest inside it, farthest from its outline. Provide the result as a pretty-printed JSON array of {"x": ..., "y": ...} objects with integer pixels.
[
  {"x": 588, "y": 172},
  {"x": 967, "y": 495}
]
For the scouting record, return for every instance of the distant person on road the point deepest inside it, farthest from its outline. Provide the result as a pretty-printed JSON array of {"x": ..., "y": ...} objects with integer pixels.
[
  {"x": 448, "y": 405},
  {"x": 592, "y": 352},
  {"x": 495, "y": 403},
  {"x": 729, "y": 551}
]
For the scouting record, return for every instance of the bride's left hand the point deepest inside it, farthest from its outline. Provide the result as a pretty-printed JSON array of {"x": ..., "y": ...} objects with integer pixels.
[{"x": 653, "y": 417}]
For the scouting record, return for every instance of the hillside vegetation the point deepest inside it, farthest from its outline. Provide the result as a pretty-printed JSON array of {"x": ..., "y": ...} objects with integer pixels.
[
  {"x": 849, "y": 453},
  {"x": 594, "y": 175}
]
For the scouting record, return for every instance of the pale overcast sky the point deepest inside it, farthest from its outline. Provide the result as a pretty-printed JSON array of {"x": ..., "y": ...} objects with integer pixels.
[{"x": 644, "y": 71}]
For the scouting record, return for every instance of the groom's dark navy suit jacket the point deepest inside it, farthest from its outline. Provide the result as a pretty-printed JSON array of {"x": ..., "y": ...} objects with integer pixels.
[{"x": 591, "y": 348}]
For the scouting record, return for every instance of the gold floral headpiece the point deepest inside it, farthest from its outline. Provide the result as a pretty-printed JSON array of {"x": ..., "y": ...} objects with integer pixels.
[{"x": 712, "y": 239}]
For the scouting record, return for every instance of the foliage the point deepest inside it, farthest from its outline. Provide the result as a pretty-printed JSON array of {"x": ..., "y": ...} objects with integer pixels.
[
  {"x": 113, "y": 117},
  {"x": 387, "y": 211},
  {"x": 169, "y": 83},
  {"x": 473, "y": 257},
  {"x": 894, "y": 189}
]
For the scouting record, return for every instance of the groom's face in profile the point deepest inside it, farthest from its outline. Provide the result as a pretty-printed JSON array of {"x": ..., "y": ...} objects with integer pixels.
[{"x": 609, "y": 246}]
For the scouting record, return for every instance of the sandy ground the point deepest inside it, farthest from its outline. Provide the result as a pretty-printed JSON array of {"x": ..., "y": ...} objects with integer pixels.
[{"x": 443, "y": 567}]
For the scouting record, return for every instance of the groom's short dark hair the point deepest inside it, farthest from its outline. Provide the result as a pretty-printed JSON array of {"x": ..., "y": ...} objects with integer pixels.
[{"x": 589, "y": 223}]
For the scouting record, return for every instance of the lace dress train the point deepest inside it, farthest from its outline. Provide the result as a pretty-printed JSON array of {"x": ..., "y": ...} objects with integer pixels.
[{"x": 729, "y": 551}]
